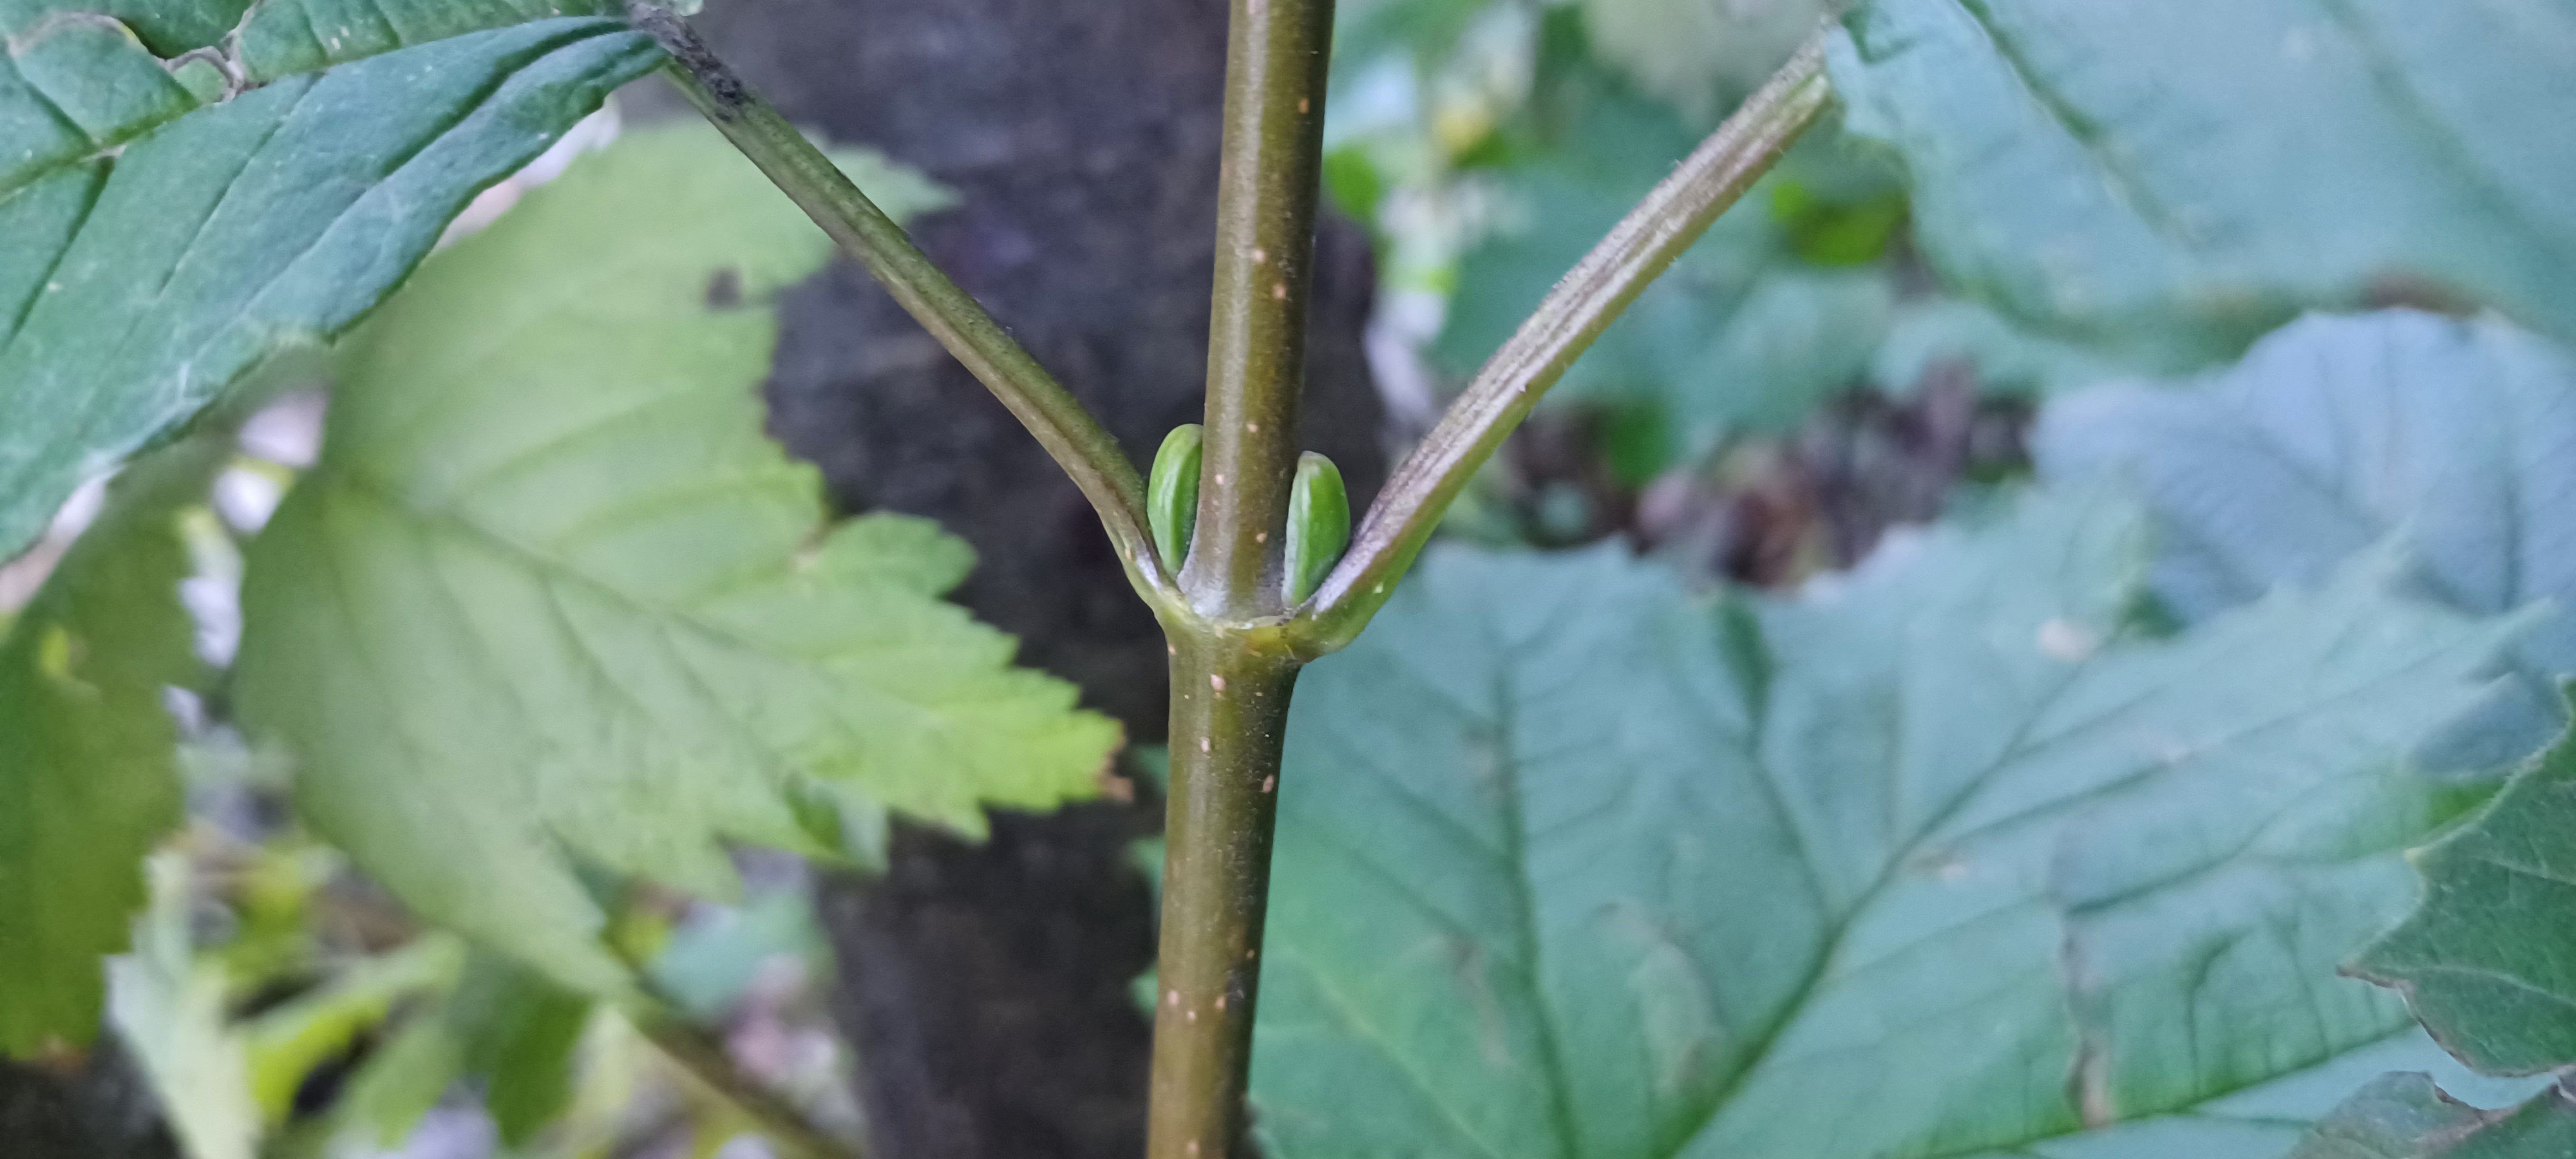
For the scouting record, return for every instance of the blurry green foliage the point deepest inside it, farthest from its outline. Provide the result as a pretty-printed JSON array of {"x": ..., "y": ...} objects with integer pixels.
[
  {"x": 2333, "y": 435},
  {"x": 2172, "y": 180},
  {"x": 88, "y": 774}
]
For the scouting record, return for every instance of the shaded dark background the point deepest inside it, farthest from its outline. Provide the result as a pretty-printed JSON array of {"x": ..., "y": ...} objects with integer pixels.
[{"x": 101, "y": 1110}]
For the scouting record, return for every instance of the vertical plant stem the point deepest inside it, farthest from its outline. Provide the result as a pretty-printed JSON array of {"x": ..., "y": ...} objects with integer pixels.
[
  {"x": 1229, "y": 718},
  {"x": 1231, "y": 677},
  {"x": 1276, "y": 56}
]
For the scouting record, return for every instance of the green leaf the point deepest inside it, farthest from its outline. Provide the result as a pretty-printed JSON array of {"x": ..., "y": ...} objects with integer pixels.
[
  {"x": 2340, "y": 433},
  {"x": 2486, "y": 961},
  {"x": 519, "y": 1034},
  {"x": 259, "y": 40},
  {"x": 2174, "y": 179},
  {"x": 287, "y": 1044},
  {"x": 551, "y": 597},
  {"x": 391, "y": 1091},
  {"x": 2405, "y": 1116},
  {"x": 1701, "y": 55},
  {"x": 168, "y": 1006},
  {"x": 154, "y": 249},
  {"x": 2008, "y": 360},
  {"x": 1938, "y": 859},
  {"x": 1832, "y": 233},
  {"x": 505, "y": 1027},
  {"x": 1741, "y": 334},
  {"x": 284, "y": 37},
  {"x": 88, "y": 766}
]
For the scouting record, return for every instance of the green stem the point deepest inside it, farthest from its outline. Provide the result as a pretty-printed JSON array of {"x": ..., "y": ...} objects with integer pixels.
[
  {"x": 1229, "y": 718},
  {"x": 1087, "y": 451},
  {"x": 1276, "y": 56},
  {"x": 1638, "y": 249},
  {"x": 1232, "y": 671}
]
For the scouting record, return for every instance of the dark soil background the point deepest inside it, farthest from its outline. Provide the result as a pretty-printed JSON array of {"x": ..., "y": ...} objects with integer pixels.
[{"x": 101, "y": 1110}]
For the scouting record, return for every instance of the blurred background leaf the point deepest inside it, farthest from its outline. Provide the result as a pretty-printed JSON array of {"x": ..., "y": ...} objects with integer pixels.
[
  {"x": 2172, "y": 180},
  {"x": 1701, "y": 55},
  {"x": 170, "y": 1009},
  {"x": 2456, "y": 439},
  {"x": 87, "y": 762}
]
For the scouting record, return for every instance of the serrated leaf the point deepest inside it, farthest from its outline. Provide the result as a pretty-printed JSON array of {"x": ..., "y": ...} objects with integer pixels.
[
  {"x": 2406, "y": 1116},
  {"x": 154, "y": 248},
  {"x": 551, "y": 595},
  {"x": 2456, "y": 438},
  {"x": 2175, "y": 179},
  {"x": 88, "y": 772},
  {"x": 2487, "y": 961},
  {"x": 1571, "y": 862}
]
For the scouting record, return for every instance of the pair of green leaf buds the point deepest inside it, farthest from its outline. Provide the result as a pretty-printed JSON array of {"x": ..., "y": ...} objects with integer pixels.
[{"x": 1319, "y": 511}]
